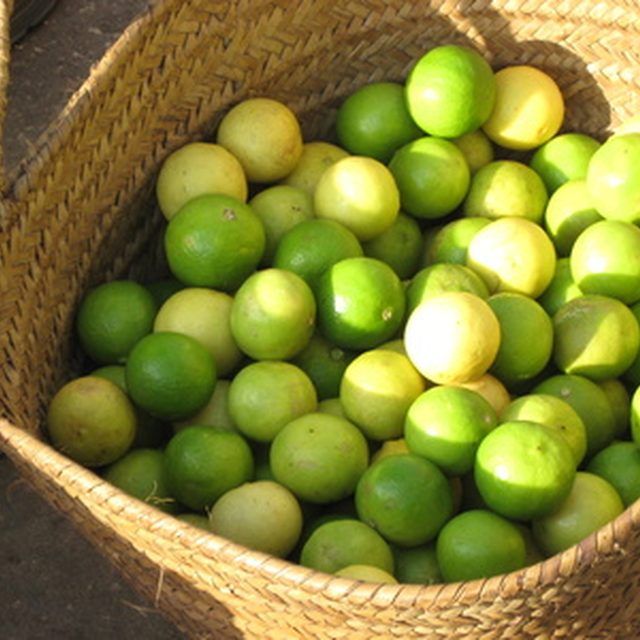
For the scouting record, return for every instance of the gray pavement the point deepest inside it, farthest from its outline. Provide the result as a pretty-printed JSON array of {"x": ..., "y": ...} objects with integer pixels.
[{"x": 53, "y": 584}]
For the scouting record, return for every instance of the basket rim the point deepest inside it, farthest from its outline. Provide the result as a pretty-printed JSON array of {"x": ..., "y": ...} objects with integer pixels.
[{"x": 18, "y": 443}]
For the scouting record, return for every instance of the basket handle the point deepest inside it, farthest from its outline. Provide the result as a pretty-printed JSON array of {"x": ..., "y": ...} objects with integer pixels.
[{"x": 6, "y": 7}]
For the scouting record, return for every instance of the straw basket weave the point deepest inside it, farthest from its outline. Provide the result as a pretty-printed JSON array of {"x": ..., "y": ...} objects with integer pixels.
[{"x": 81, "y": 209}]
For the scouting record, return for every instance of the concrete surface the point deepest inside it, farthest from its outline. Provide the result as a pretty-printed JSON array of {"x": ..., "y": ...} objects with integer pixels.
[{"x": 53, "y": 584}]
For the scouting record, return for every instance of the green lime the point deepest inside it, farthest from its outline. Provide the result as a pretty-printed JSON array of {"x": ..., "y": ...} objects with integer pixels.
[
  {"x": 432, "y": 177},
  {"x": 215, "y": 413},
  {"x": 589, "y": 402},
  {"x": 632, "y": 374},
  {"x": 524, "y": 470},
  {"x": 506, "y": 189},
  {"x": 196, "y": 169},
  {"x": 605, "y": 260},
  {"x": 450, "y": 242},
  {"x": 406, "y": 498},
  {"x": 361, "y": 303},
  {"x": 112, "y": 317},
  {"x": 519, "y": 357},
  {"x": 314, "y": 246},
  {"x": 446, "y": 425},
  {"x": 613, "y": 178},
  {"x": 619, "y": 464},
  {"x": 513, "y": 254},
  {"x": 325, "y": 364},
  {"x": 214, "y": 241},
  {"x": 340, "y": 543},
  {"x": 451, "y": 91},
  {"x": 273, "y": 315},
  {"x": 280, "y": 208},
  {"x": 479, "y": 544},
  {"x": 452, "y": 337},
  {"x": 563, "y": 158},
  {"x": 376, "y": 391},
  {"x": 359, "y": 193},
  {"x": 202, "y": 463},
  {"x": 476, "y": 149},
  {"x": 91, "y": 421},
  {"x": 170, "y": 375},
  {"x": 635, "y": 416},
  {"x": 552, "y": 412},
  {"x": 141, "y": 473},
  {"x": 620, "y": 402},
  {"x": 569, "y": 212},
  {"x": 374, "y": 121},
  {"x": 195, "y": 520},
  {"x": 203, "y": 314},
  {"x": 320, "y": 457},
  {"x": 262, "y": 515},
  {"x": 595, "y": 336},
  {"x": 264, "y": 135},
  {"x": 561, "y": 289},
  {"x": 591, "y": 504},
  {"x": 265, "y": 396},
  {"x": 366, "y": 573},
  {"x": 441, "y": 278},
  {"x": 400, "y": 246},
  {"x": 316, "y": 158},
  {"x": 417, "y": 565}
]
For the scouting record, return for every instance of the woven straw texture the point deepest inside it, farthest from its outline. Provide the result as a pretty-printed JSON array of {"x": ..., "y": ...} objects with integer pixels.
[{"x": 81, "y": 208}]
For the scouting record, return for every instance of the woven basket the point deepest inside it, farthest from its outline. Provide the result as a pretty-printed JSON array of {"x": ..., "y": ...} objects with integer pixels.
[{"x": 80, "y": 209}]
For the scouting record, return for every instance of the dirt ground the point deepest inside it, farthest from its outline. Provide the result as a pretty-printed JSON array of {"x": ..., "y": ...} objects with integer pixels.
[{"x": 53, "y": 584}]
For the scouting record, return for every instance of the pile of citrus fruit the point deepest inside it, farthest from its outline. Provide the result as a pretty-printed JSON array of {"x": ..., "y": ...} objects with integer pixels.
[{"x": 407, "y": 355}]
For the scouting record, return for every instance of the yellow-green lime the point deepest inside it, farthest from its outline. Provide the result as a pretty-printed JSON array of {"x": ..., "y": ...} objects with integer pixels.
[
  {"x": 340, "y": 543},
  {"x": 513, "y": 254},
  {"x": 280, "y": 208},
  {"x": 491, "y": 389},
  {"x": 563, "y": 158},
  {"x": 141, "y": 473},
  {"x": 214, "y": 241},
  {"x": 196, "y": 169},
  {"x": 366, "y": 573},
  {"x": 446, "y": 424},
  {"x": 506, "y": 188},
  {"x": 203, "y": 314},
  {"x": 620, "y": 402},
  {"x": 320, "y": 457},
  {"x": 479, "y": 544},
  {"x": 112, "y": 317},
  {"x": 524, "y": 469},
  {"x": 595, "y": 336},
  {"x": 332, "y": 406},
  {"x": 519, "y": 357},
  {"x": 561, "y": 289},
  {"x": 635, "y": 416},
  {"x": 569, "y": 212},
  {"x": 314, "y": 246},
  {"x": 215, "y": 413},
  {"x": 441, "y": 278},
  {"x": 476, "y": 149},
  {"x": 265, "y": 396},
  {"x": 360, "y": 193},
  {"x": 316, "y": 158},
  {"x": 406, "y": 498},
  {"x": 163, "y": 289},
  {"x": 591, "y": 504},
  {"x": 632, "y": 374},
  {"x": 400, "y": 246},
  {"x": 453, "y": 337},
  {"x": 170, "y": 375},
  {"x": 374, "y": 121},
  {"x": 325, "y": 364},
  {"x": 264, "y": 135},
  {"x": 376, "y": 391},
  {"x": 361, "y": 303},
  {"x": 273, "y": 315},
  {"x": 390, "y": 448},
  {"x": 552, "y": 412},
  {"x": 450, "y": 242},
  {"x": 619, "y": 464},
  {"x": 262, "y": 515},
  {"x": 195, "y": 520},
  {"x": 203, "y": 463},
  {"x": 91, "y": 420},
  {"x": 590, "y": 403}
]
